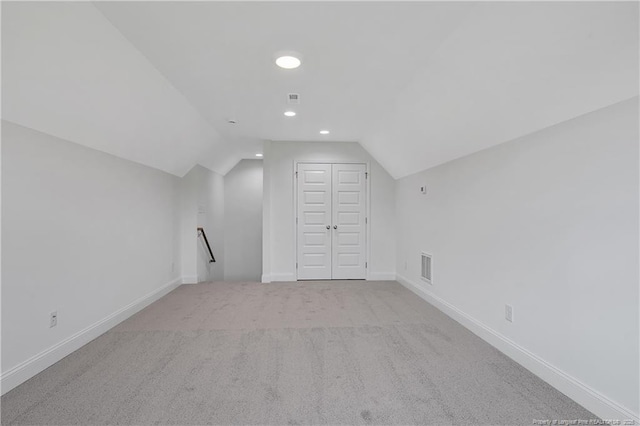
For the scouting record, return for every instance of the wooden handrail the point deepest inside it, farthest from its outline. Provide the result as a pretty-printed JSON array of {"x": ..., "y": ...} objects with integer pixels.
[{"x": 206, "y": 241}]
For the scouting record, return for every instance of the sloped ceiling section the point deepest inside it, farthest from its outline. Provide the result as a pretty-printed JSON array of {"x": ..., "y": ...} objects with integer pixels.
[
  {"x": 510, "y": 69},
  {"x": 68, "y": 72},
  {"x": 356, "y": 56},
  {"x": 416, "y": 83}
]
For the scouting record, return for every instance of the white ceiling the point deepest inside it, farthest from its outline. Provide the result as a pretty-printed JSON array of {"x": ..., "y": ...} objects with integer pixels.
[{"x": 417, "y": 84}]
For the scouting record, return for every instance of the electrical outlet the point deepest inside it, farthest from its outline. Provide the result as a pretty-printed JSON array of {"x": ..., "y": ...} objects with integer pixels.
[
  {"x": 53, "y": 319},
  {"x": 173, "y": 267},
  {"x": 406, "y": 265},
  {"x": 508, "y": 313}
]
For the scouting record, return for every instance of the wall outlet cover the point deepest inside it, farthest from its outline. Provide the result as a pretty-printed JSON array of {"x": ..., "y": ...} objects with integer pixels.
[{"x": 508, "y": 313}]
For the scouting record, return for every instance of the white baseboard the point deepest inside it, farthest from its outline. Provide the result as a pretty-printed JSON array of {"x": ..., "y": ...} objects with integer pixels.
[
  {"x": 189, "y": 279},
  {"x": 283, "y": 277},
  {"x": 382, "y": 276},
  {"x": 37, "y": 363},
  {"x": 584, "y": 395},
  {"x": 373, "y": 276}
]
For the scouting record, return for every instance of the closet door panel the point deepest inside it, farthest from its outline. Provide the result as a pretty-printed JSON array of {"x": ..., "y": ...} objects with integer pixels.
[
  {"x": 348, "y": 221},
  {"x": 314, "y": 222}
]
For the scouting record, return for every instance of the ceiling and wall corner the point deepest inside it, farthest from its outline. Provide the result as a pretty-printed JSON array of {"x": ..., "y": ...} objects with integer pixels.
[
  {"x": 511, "y": 69},
  {"x": 417, "y": 84},
  {"x": 68, "y": 72}
]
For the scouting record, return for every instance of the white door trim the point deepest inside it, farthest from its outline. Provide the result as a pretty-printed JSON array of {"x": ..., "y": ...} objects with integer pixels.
[{"x": 294, "y": 209}]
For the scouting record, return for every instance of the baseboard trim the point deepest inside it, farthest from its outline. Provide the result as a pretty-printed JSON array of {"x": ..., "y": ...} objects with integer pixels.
[
  {"x": 373, "y": 276},
  {"x": 37, "y": 363},
  {"x": 382, "y": 276},
  {"x": 187, "y": 279},
  {"x": 584, "y": 395},
  {"x": 282, "y": 277}
]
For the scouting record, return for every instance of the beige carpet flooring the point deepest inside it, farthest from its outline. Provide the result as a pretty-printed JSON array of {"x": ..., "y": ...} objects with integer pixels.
[{"x": 340, "y": 352}]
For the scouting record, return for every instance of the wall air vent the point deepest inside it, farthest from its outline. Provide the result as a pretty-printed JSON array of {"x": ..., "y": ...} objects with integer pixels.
[
  {"x": 426, "y": 270},
  {"x": 293, "y": 98}
]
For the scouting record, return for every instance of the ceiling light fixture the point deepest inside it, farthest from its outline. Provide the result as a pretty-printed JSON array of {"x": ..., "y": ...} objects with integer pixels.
[
  {"x": 290, "y": 113},
  {"x": 324, "y": 132},
  {"x": 258, "y": 155},
  {"x": 288, "y": 62}
]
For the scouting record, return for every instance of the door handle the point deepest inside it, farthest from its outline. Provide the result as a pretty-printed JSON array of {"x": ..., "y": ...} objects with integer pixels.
[
  {"x": 328, "y": 226},
  {"x": 335, "y": 226}
]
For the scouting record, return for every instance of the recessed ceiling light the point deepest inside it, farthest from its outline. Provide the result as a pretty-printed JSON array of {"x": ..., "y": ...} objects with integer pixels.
[
  {"x": 258, "y": 155},
  {"x": 324, "y": 132},
  {"x": 288, "y": 62},
  {"x": 290, "y": 113}
]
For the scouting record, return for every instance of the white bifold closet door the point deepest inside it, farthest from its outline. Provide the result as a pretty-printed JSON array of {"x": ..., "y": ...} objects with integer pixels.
[{"x": 331, "y": 226}]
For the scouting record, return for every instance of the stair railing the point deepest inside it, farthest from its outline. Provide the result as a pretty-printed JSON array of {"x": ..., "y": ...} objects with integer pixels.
[{"x": 206, "y": 241}]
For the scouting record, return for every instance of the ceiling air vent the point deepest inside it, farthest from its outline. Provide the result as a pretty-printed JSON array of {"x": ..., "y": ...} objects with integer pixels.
[
  {"x": 293, "y": 98},
  {"x": 426, "y": 269}
]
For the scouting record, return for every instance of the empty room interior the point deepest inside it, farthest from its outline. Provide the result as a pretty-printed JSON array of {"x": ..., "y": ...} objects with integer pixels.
[{"x": 289, "y": 213}]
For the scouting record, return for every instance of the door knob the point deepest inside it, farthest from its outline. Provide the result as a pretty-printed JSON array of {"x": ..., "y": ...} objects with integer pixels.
[
  {"x": 335, "y": 226},
  {"x": 328, "y": 226}
]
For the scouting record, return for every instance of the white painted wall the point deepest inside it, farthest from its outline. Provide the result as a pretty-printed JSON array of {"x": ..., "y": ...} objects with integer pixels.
[
  {"x": 279, "y": 236},
  {"x": 211, "y": 218},
  {"x": 85, "y": 234},
  {"x": 547, "y": 223},
  {"x": 243, "y": 222},
  {"x": 188, "y": 224},
  {"x": 266, "y": 212},
  {"x": 202, "y": 205}
]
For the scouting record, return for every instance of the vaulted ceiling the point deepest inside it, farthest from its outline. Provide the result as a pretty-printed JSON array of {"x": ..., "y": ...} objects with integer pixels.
[{"x": 416, "y": 83}]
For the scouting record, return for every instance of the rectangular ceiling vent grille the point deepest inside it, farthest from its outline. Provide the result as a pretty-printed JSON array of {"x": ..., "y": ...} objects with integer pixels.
[
  {"x": 294, "y": 98},
  {"x": 426, "y": 270}
]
